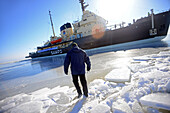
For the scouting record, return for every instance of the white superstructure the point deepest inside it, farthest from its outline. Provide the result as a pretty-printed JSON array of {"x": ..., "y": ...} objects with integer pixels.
[{"x": 90, "y": 24}]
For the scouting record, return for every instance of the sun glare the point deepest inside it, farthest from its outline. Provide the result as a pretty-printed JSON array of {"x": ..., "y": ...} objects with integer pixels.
[{"x": 114, "y": 9}]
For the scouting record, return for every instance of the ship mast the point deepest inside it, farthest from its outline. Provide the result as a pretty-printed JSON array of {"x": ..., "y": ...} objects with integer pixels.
[
  {"x": 52, "y": 23},
  {"x": 82, "y": 5}
]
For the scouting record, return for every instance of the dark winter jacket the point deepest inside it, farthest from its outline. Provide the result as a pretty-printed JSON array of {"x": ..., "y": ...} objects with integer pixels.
[{"x": 77, "y": 57}]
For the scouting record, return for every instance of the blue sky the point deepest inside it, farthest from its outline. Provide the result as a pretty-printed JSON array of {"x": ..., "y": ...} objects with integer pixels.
[{"x": 25, "y": 24}]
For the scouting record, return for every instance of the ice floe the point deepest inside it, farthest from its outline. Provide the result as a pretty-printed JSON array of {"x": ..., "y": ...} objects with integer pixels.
[
  {"x": 119, "y": 75},
  {"x": 157, "y": 100}
]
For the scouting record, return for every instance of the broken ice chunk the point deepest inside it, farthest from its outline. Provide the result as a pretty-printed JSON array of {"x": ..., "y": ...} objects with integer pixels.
[
  {"x": 120, "y": 106},
  {"x": 101, "y": 108},
  {"x": 119, "y": 75},
  {"x": 157, "y": 100}
]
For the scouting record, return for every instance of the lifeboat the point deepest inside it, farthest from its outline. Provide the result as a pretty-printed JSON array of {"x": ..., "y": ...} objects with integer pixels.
[{"x": 56, "y": 41}]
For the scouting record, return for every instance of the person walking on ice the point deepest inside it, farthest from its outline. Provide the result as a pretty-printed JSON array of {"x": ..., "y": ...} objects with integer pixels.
[{"x": 78, "y": 58}]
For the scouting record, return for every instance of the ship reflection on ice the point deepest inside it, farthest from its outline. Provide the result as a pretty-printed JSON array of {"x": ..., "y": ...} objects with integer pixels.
[{"x": 47, "y": 63}]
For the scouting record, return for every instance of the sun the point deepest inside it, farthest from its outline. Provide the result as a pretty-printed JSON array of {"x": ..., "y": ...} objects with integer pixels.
[{"x": 114, "y": 9}]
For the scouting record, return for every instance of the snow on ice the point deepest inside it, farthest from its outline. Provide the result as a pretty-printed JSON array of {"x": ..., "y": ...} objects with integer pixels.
[{"x": 147, "y": 90}]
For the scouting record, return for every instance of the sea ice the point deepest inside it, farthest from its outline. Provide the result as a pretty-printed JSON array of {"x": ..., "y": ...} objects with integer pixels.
[
  {"x": 110, "y": 99},
  {"x": 40, "y": 91},
  {"x": 8, "y": 106},
  {"x": 119, "y": 75},
  {"x": 141, "y": 58},
  {"x": 168, "y": 86},
  {"x": 89, "y": 105},
  {"x": 56, "y": 109},
  {"x": 149, "y": 76},
  {"x": 152, "y": 110},
  {"x": 136, "y": 108},
  {"x": 60, "y": 98},
  {"x": 157, "y": 100},
  {"x": 28, "y": 107},
  {"x": 16, "y": 100},
  {"x": 120, "y": 106},
  {"x": 101, "y": 108}
]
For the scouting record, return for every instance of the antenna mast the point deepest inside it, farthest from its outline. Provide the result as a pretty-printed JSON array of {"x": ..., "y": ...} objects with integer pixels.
[
  {"x": 82, "y": 5},
  {"x": 51, "y": 23}
]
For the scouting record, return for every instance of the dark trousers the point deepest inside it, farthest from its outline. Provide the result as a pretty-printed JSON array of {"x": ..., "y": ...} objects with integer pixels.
[{"x": 83, "y": 83}]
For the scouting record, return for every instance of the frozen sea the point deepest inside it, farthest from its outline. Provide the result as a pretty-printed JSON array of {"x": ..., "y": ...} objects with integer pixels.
[{"x": 40, "y": 75}]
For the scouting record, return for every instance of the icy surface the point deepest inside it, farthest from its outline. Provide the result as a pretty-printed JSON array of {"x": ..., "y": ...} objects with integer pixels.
[
  {"x": 101, "y": 108},
  {"x": 120, "y": 106},
  {"x": 157, "y": 100},
  {"x": 149, "y": 82},
  {"x": 118, "y": 75}
]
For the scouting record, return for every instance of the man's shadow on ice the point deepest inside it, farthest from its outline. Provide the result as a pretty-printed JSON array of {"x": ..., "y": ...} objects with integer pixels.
[{"x": 78, "y": 105}]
